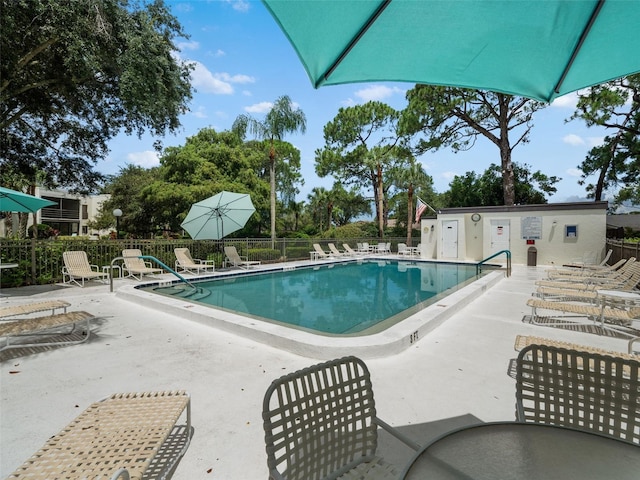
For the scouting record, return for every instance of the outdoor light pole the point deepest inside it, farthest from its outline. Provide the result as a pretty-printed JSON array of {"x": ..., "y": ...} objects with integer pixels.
[{"x": 117, "y": 213}]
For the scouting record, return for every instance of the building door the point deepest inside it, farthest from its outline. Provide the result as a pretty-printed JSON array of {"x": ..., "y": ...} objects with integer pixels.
[
  {"x": 500, "y": 234},
  {"x": 450, "y": 239}
]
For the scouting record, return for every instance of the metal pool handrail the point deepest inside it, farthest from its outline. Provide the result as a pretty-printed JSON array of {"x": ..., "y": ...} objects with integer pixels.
[
  {"x": 149, "y": 257},
  {"x": 506, "y": 252}
]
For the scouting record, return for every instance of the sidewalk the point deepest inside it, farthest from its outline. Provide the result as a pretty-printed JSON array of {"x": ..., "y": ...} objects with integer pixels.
[{"x": 457, "y": 374}]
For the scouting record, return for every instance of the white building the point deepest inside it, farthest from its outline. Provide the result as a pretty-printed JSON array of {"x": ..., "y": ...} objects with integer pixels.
[
  {"x": 548, "y": 234},
  {"x": 70, "y": 215}
]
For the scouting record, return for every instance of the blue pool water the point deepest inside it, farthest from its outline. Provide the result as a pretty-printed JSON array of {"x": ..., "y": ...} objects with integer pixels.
[{"x": 338, "y": 299}]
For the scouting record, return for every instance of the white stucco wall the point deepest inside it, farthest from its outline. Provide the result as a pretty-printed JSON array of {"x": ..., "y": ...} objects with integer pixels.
[{"x": 475, "y": 239}]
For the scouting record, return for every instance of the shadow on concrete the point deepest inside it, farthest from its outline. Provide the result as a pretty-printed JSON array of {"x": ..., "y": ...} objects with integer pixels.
[{"x": 397, "y": 453}]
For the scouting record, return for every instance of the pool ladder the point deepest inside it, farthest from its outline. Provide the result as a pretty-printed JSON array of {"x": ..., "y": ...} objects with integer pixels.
[
  {"x": 195, "y": 293},
  {"x": 506, "y": 252}
]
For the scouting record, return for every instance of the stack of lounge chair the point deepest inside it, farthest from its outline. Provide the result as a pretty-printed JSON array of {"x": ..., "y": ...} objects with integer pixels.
[
  {"x": 14, "y": 324},
  {"x": 608, "y": 296}
]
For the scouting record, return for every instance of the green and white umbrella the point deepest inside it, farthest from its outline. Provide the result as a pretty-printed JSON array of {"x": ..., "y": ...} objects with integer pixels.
[
  {"x": 217, "y": 216},
  {"x": 14, "y": 201},
  {"x": 537, "y": 49}
]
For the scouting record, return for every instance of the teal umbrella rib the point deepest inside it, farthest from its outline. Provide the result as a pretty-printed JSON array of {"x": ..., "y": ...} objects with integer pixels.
[
  {"x": 219, "y": 215},
  {"x": 535, "y": 49}
]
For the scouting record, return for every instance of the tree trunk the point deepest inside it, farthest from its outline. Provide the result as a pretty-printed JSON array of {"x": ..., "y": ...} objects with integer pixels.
[
  {"x": 272, "y": 180},
  {"x": 508, "y": 180},
  {"x": 380, "y": 203},
  {"x": 409, "y": 214}
]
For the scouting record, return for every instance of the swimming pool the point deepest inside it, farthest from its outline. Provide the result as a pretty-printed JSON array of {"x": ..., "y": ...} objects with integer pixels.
[
  {"x": 388, "y": 337},
  {"x": 355, "y": 298}
]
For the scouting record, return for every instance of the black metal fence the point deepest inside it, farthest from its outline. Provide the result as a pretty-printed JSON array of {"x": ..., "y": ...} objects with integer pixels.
[{"x": 40, "y": 261}]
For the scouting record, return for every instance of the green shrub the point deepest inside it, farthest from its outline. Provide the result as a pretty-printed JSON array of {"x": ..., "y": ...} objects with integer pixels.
[
  {"x": 346, "y": 231},
  {"x": 297, "y": 253},
  {"x": 263, "y": 254}
]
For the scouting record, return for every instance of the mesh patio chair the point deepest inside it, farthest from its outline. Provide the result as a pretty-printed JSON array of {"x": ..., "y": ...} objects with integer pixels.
[
  {"x": 579, "y": 389},
  {"x": 233, "y": 258},
  {"x": 320, "y": 423},
  {"x": 134, "y": 265},
  {"x": 186, "y": 263},
  {"x": 77, "y": 267}
]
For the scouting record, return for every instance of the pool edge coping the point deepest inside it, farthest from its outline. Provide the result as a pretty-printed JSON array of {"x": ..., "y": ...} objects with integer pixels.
[{"x": 390, "y": 341}]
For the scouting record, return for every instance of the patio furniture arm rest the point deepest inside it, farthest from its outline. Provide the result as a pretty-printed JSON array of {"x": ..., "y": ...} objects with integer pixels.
[
  {"x": 406, "y": 440},
  {"x": 121, "y": 474},
  {"x": 205, "y": 262}
]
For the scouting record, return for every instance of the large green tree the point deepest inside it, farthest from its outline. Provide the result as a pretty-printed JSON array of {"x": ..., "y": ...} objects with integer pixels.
[
  {"x": 125, "y": 189},
  {"x": 471, "y": 189},
  {"x": 361, "y": 142},
  {"x": 74, "y": 74},
  {"x": 616, "y": 107},
  {"x": 282, "y": 118},
  {"x": 456, "y": 117},
  {"x": 208, "y": 163}
]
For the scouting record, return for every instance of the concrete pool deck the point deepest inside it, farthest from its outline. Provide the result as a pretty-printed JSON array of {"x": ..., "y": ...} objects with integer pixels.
[{"x": 458, "y": 373}]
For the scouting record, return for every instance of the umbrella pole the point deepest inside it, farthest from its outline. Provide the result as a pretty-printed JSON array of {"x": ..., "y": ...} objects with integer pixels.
[{"x": 33, "y": 260}]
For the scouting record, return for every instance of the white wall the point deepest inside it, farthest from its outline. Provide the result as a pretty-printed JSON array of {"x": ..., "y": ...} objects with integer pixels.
[{"x": 554, "y": 246}]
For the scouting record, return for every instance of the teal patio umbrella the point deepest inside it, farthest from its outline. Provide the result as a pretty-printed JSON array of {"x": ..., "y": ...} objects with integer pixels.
[
  {"x": 14, "y": 201},
  {"x": 537, "y": 49},
  {"x": 217, "y": 216}
]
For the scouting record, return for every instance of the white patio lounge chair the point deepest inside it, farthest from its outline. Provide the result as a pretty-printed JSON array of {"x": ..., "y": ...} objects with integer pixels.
[
  {"x": 77, "y": 267},
  {"x": 335, "y": 251},
  {"x": 134, "y": 265},
  {"x": 13, "y": 310},
  {"x": 318, "y": 252},
  {"x": 320, "y": 423},
  {"x": 185, "y": 263},
  {"x": 350, "y": 250},
  {"x": 27, "y": 327},
  {"x": 234, "y": 259},
  {"x": 125, "y": 436},
  {"x": 609, "y": 310}
]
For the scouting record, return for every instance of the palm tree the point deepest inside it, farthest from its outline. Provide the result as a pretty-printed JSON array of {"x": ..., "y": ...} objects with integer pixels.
[
  {"x": 281, "y": 119},
  {"x": 410, "y": 177},
  {"x": 318, "y": 205}
]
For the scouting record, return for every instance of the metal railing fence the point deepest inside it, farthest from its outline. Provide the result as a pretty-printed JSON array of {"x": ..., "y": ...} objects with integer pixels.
[{"x": 40, "y": 261}]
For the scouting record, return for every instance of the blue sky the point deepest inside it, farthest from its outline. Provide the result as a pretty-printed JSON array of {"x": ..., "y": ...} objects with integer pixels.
[{"x": 244, "y": 62}]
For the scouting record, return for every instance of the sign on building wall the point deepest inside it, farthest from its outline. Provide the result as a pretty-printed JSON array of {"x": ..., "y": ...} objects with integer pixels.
[{"x": 531, "y": 228}]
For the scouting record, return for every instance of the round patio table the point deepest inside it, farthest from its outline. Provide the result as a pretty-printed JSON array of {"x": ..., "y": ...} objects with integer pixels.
[{"x": 522, "y": 451}]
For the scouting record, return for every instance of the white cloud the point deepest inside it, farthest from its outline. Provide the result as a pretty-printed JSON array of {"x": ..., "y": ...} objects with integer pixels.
[
  {"x": 239, "y": 5},
  {"x": 349, "y": 102},
  {"x": 199, "y": 113},
  {"x": 261, "y": 107},
  {"x": 573, "y": 139},
  {"x": 448, "y": 175},
  {"x": 203, "y": 80},
  {"x": 595, "y": 141},
  {"x": 570, "y": 100},
  {"x": 247, "y": 93},
  {"x": 182, "y": 46},
  {"x": 234, "y": 78},
  {"x": 146, "y": 159},
  {"x": 219, "y": 53},
  {"x": 574, "y": 172},
  {"x": 377, "y": 92}
]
